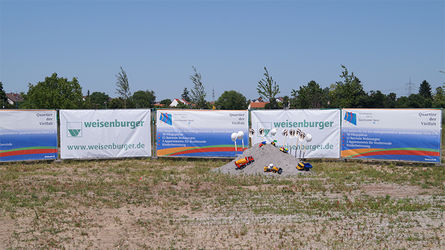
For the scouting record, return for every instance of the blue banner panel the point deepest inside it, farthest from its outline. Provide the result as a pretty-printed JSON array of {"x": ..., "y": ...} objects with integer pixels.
[
  {"x": 197, "y": 133},
  {"x": 392, "y": 134},
  {"x": 28, "y": 135}
]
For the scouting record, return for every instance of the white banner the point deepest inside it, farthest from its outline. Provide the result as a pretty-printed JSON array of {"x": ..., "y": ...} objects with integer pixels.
[
  {"x": 90, "y": 134},
  {"x": 323, "y": 126},
  {"x": 201, "y": 133},
  {"x": 28, "y": 135},
  {"x": 392, "y": 134}
]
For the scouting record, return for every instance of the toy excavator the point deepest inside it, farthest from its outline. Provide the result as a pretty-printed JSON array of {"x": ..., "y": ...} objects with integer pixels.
[
  {"x": 272, "y": 168},
  {"x": 242, "y": 163}
]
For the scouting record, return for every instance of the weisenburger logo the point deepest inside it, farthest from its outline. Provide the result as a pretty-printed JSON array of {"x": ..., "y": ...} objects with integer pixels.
[{"x": 74, "y": 129}]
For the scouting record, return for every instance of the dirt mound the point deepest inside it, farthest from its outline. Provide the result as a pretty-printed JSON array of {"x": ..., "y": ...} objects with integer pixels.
[{"x": 263, "y": 156}]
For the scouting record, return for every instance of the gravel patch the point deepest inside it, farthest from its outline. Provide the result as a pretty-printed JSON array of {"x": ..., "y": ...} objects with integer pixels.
[{"x": 263, "y": 156}]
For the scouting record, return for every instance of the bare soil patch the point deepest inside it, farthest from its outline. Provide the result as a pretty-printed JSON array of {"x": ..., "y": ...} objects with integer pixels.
[{"x": 178, "y": 204}]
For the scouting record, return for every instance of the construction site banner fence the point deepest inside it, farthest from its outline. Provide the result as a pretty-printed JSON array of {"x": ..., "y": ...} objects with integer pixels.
[
  {"x": 201, "y": 133},
  {"x": 304, "y": 133},
  {"x": 28, "y": 135},
  {"x": 392, "y": 134},
  {"x": 92, "y": 134}
]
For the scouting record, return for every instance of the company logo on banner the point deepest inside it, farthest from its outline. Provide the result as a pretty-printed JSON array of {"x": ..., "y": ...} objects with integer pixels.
[
  {"x": 167, "y": 118},
  {"x": 351, "y": 117},
  {"x": 74, "y": 129},
  {"x": 105, "y": 133}
]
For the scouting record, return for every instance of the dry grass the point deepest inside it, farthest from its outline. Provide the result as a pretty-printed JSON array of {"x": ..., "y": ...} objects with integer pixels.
[{"x": 181, "y": 204}]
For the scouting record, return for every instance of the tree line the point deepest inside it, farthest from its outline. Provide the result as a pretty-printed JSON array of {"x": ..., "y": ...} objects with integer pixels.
[{"x": 60, "y": 93}]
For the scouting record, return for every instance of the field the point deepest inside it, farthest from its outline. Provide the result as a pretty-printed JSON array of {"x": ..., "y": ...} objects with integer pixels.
[{"x": 168, "y": 203}]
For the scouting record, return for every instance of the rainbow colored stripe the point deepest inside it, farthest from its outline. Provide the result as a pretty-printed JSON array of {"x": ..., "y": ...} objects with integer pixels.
[
  {"x": 357, "y": 153},
  {"x": 184, "y": 151},
  {"x": 28, "y": 151}
]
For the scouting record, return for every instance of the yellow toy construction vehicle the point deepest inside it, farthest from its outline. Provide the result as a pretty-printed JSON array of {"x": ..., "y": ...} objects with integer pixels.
[{"x": 272, "y": 168}]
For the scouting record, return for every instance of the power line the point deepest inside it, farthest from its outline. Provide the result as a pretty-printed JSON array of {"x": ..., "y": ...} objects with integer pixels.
[{"x": 410, "y": 87}]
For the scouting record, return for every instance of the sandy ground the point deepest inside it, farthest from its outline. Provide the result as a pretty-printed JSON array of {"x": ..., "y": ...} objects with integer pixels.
[
  {"x": 179, "y": 207},
  {"x": 263, "y": 156}
]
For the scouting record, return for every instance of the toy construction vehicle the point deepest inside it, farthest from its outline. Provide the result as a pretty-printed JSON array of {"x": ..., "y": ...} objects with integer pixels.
[
  {"x": 304, "y": 166},
  {"x": 242, "y": 163},
  {"x": 272, "y": 168},
  {"x": 284, "y": 150},
  {"x": 262, "y": 143}
]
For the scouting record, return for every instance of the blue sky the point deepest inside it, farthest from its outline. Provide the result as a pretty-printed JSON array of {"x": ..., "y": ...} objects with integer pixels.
[{"x": 385, "y": 43}]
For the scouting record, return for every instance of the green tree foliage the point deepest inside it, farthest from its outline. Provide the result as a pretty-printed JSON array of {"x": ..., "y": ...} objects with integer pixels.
[
  {"x": 166, "y": 102},
  {"x": 310, "y": 96},
  {"x": 268, "y": 89},
  {"x": 186, "y": 95},
  {"x": 273, "y": 104},
  {"x": 98, "y": 100},
  {"x": 144, "y": 99},
  {"x": 347, "y": 93},
  {"x": 425, "y": 90},
  {"x": 231, "y": 100},
  {"x": 390, "y": 100},
  {"x": 376, "y": 99},
  {"x": 439, "y": 98},
  {"x": 116, "y": 103},
  {"x": 413, "y": 101},
  {"x": 123, "y": 86},
  {"x": 198, "y": 93},
  {"x": 286, "y": 102},
  {"x": 54, "y": 93},
  {"x": 3, "y": 98}
]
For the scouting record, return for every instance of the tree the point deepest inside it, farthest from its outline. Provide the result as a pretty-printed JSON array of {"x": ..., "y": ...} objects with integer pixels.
[
  {"x": 166, "y": 102},
  {"x": 186, "y": 95},
  {"x": 116, "y": 103},
  {"x": 439, "y": 98},
  {"x": 144, "y": 99},
  {"x": 390, "y": 100},
  {"x": 231, "y": 100},
  {"x": 198, "y": 94},
  {"x": 286, "y": 102},
  {"x": 54, "y": 93},
  {"x": 98, "y": 100},
  {"x": 413, "y": 101},
  {"x": 425, "y": 90},
  {"x": 310, "y": 96},
  {"x": 3, "y": 97},
  {"x": 268, "y": 89},
  {"x": 347, "y": 93},
  {"x": 376, "y": 99},
  {"x": 123, "y": 87}
]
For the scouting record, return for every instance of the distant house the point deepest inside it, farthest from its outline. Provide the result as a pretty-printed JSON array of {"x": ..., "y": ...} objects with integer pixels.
[
  {"x": 257, "y": 105},
  {"x": 176, "y": 102},
  {"x": 14, "y": 98}
]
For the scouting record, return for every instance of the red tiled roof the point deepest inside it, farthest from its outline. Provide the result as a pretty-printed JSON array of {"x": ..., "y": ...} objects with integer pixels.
[
  {"x": 14, "y": 97},
  {"x": 258, "y": 105}
]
